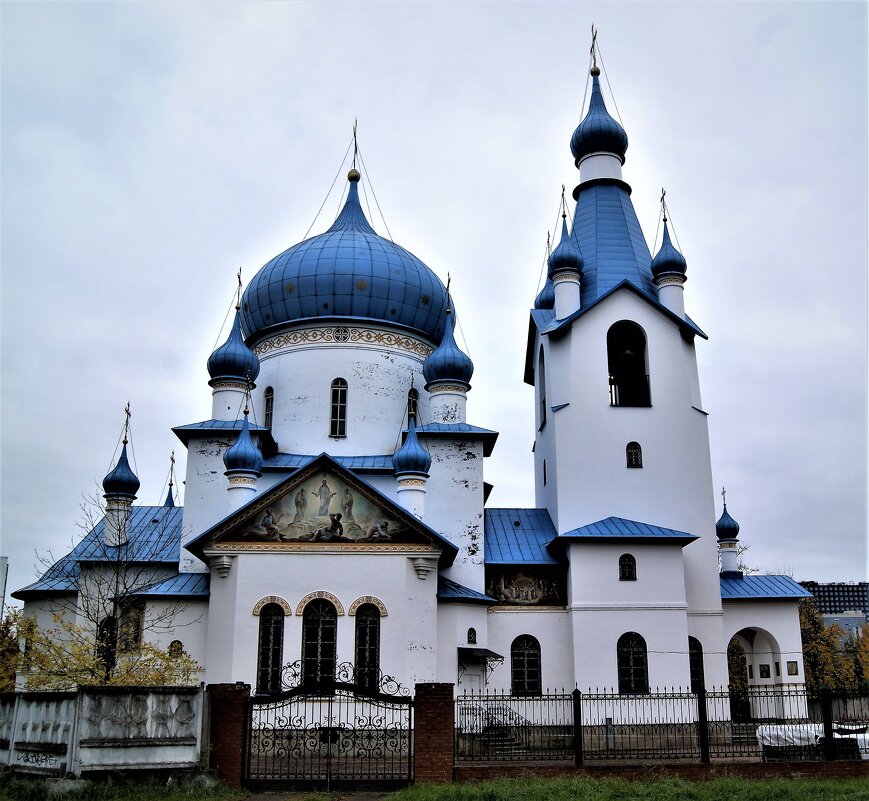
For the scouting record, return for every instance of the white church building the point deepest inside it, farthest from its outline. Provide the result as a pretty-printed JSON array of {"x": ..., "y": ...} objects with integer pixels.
[{"x": 335, "y": 500}]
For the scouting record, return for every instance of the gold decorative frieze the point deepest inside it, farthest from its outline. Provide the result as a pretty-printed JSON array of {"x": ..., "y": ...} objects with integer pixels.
[
  {"x": 354, "y": 335},
  {"x": 568, "y": 276},
  {"x": 367, "y": 599},
  {"x": 271, "y": 599},
  {"x": 411, "y": 483},
  {"x": 326, "y": 596},
  {"x": 441, "y": 388}
]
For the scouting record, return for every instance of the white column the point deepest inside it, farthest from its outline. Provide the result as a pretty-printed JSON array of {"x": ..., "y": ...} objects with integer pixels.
[
  {"x": 411, "y": 494},
  {"x": 227, "y": 399},
  {"x": 671, "y": 293},
  {"x": 566, "y": 294},
  {"x": 448, "y": 402}
]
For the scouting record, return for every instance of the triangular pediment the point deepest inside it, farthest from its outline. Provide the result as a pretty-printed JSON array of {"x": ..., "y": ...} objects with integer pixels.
[{"x": 322, "y": 506}]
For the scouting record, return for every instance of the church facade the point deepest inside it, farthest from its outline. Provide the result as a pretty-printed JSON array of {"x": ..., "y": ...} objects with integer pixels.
[{"x": 335, "y": 501}]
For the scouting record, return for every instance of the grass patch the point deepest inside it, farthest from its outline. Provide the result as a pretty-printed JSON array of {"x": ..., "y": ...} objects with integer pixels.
[
  {"x": 21, "y": 789},
  {"x": 585, "y": 789}
]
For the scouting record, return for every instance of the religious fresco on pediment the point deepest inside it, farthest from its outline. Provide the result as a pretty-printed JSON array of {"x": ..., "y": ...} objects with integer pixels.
[
  {"x": 527, "y": 585},
  {"x": 324, "y": 508}
]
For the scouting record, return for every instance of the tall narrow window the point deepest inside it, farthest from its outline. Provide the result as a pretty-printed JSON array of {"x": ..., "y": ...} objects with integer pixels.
[
  {"x": 525, "y": 666},
  {"x": 695, "y": 664},
  {"x": 270, "y": 653},
  {"x": 541, "y": 391},
  {"x": 107, "y": 644},
  {"x": 628, "y": 371},
  {"x": 130, "y": 629},
  {"x": 472, "y": 636},
  {"x": 634, "y": 454},
  {"x": 627, "y": 567},
  {"x": 368, "y": 646},
  {"x": 268, "y": 407},
  {"x": 319, "y": 629},
  {"x": 338, "y": 419},
  {"x": 633, "y": 664}
]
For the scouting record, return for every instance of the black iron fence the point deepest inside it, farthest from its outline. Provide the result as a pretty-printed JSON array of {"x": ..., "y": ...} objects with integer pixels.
[{"x": 762, "y": 723}]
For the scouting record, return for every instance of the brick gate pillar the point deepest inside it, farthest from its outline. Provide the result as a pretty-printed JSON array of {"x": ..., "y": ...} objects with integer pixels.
[
  {"x": 227, "y": 730},
  {"x": 433, "y": 716}
]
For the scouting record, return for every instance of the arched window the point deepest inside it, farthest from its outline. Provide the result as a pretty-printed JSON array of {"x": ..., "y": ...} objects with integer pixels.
[
  {"x": 368, "y": 646},
  {"x": 472, "y": 636},
  {"x": 525, "y": 666},
  {"x": 628, "y": 373},
  {"x": 541, "y": 391},
  {"x": 627, "y": 567},
  {"x": 319, "y": 630},
  {"x": 338, "y": 416},
  {"x": 270, "y": 653},
  {"x": 268, "y": 407},
  {"x": 634, "y": 454},
  {"x": 633, "y": 664},
  {"x": 107, "y": 643},
  {"x": 695, "y": 664},
  {"x": 176, "y": 648},
  {"x": 130, "y": 629}
]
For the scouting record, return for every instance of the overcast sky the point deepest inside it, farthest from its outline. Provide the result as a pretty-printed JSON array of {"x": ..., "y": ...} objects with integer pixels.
[{"x": 150, "y": 150}]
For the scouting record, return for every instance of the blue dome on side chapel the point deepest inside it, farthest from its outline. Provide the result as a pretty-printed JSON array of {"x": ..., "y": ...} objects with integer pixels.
[
  {"x": 567, "y": 256},
  {"x": 726, "y": 528},
  {"x": 233, "y": 359},
  {"x": 411, "y": 457},
  {"x": 668, "y": 260},
  {"x": 448, "y": 362},
  {"x": 243, "y": 454},
  {"x": 598, "y": 132},
  {"x": 121, "y": 480},
  {"x": 348, "y": 271},
  {"x": 546, "y": 297}
]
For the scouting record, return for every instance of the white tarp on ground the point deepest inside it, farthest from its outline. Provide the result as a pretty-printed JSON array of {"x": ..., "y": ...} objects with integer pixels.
[{"x": 803, "y": 734}]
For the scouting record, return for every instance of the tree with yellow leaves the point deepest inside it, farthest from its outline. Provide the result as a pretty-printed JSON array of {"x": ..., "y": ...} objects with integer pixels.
[{"x": 824, "y": 658}]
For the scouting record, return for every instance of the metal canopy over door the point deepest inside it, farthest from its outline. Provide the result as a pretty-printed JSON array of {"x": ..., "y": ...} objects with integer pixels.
[{"x": 327, "y": 733}]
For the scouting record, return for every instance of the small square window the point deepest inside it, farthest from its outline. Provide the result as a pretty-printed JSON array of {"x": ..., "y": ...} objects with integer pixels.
[
  {"x": 764, "y": 671},
  {"x": 793, "y": 668}
]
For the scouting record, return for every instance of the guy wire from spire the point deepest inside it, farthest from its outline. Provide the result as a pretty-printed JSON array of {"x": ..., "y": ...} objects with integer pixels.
[
  {"x": 606, "y": 75},
  {"x": 225, "y": 318},
  {"x": 546, "y": 254},
  {"x": 374, "y": 194},
  {"x": 331, "y": 186}
]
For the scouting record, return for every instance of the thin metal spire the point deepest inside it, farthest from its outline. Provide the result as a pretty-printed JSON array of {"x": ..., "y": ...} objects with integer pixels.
[
  {"x": 238, "y": 291},
  {"x": 127, "y": 414},
  {"x": 664, "y": 203},
  {"x": 593, "y": 47},
  {"x": 355, "y": 142},
  {"x": 724, "y": 497}
]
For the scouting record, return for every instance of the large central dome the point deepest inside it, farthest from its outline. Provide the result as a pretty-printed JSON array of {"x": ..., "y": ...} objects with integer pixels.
[{"x": 348, "y": 271}]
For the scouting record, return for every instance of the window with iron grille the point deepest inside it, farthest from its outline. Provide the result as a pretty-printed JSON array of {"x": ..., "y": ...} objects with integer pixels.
[
  {"x": 634, "y": 454},
  {"x": 472, "y": 636},
  {"x": 633, "y": 666},
  {"x": 319, "y": 627},
  {"x": 368, "y": 646},
  {"x": 269, "y": 407},
  {"x": 525, "y": 666},
  {"x": 338, "y": 417},
  {"x": 695, "y": 664},
  {"x": 627, "y": 567},
  {"x": 271, "y": 649}
]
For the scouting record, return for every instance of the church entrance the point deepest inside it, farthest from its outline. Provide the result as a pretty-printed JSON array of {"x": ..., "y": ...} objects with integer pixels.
[{"x": 330, "y": 733}]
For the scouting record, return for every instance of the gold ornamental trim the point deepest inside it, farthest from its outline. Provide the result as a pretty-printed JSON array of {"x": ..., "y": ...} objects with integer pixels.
[
  {"x": 407, "y": 549},
  {"x": 340, "y": 335},
  {"x": 367, "y": 599},
  {"x": 271, "y": 599},
  {"x": 670, "y": 280},
  {"x": 326, "y": 596},
  {"x": 411, "y": 483},
  {"x": 559, "y": 277},
  {"x": 436, "y": 389}
]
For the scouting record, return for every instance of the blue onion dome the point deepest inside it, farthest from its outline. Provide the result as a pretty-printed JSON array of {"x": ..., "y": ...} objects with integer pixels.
[
  {"x": 546, "y": 297},
  {"x": 411, "y": 457},
  {"x": 244, "y": 454},
  {"x": 233, "y": 359},
  {"x": 598, "y": 132},
  {"x": 447, "y": 362},
  {"x": 726, "y": 528},
  {"x": 348, "y": 271},
  {"x": 121, "y": 480},
  {"x": 567, "y": 256},
  {"x": 668, "y": 260}
]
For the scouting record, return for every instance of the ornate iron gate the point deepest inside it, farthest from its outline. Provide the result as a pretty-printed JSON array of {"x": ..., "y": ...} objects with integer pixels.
[{"x": 330, "y": 734}]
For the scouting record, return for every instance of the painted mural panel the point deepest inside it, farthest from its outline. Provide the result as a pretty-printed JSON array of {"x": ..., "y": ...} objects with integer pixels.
[
  {"x": 527, "y": 585},
  {"x": 324, "y": 508}
]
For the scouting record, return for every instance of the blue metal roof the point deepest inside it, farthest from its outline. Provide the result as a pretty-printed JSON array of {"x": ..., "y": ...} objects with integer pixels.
[
  {"x": 154, "y": 535},
  {"x": 460, "y": 431},
  {"x": 758, "y": 588},
  {"x": 449, "y": 590},
  {"x": 218, "y": 427},
  {"x": 609, "y": 236},
  {"x": 381, "y": 463},
  {"x": 631, "y": 530},
  {"x": 348, "y": 271},
  {"x": 518, "y": 536},
  {"x": 181, "y": 585}
]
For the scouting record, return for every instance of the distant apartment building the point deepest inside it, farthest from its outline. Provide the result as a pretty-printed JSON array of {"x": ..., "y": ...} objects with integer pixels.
[{"x": 845, "y": 603}]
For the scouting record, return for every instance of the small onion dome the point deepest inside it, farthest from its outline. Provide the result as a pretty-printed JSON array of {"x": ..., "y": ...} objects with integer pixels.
[
  {"x": 121, "y": 480},
  {"x": 668, "y": 260},
  {"x": 726, "y": 528},
  {"x": 447, "y": 362},
  {"x": 170, "y": 501},
  {"x": 244, "y": 454},
  {"x": 598, "y": 132},
  {"x": 234, "y": 359},
  {"x": 566, "y": 257},
  {"x": 546, "y": 297},
  {"x": 411, "y": 457}
]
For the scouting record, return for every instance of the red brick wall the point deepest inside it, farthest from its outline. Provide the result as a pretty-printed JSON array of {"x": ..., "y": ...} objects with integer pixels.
[
  {"x": 433, "y": 713},
  {"x": 227, "y": 730}
]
